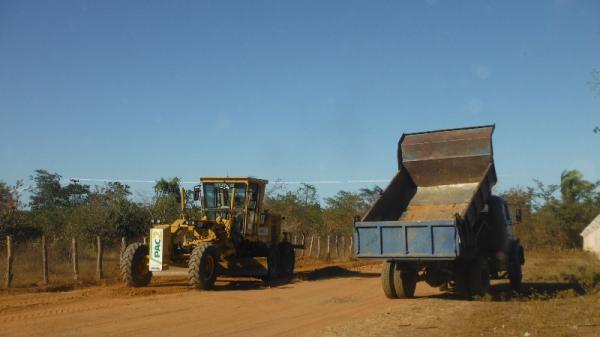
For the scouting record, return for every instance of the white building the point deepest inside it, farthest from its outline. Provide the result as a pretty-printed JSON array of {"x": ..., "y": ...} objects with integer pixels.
[{"x": 591, "y": 236}]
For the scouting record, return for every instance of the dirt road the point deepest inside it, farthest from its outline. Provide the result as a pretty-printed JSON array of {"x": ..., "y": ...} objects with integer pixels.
[
  {"x": 328, "y": 296},
  {"x": 323, "y": 301}
]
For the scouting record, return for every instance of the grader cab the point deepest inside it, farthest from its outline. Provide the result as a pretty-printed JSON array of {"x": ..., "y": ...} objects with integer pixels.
[{"x": 233, "y": 235}]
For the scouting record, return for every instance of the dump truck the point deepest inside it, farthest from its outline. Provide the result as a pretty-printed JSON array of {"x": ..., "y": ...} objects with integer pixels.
[
  {"x": 437, "y": 221},
  {"x": 233, "y": 235}
]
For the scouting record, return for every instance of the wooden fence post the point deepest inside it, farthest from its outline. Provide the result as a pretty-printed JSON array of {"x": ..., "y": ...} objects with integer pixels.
[
  {"x": 318, "y": 246},
  {"x": 123, "y": 245},
  {"x": 337, "y": 250},
  {"x": 99, "y": 274},
  {"x": 75, "y": 259},
  {"x": 328, "y": 256},
  {"x": 44, "y": 260},
  {"x": 9, "y": 261},
  {"x": 351, "y": 243}
]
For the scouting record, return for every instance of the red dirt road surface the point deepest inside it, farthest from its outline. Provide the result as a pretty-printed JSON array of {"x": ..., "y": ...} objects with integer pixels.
[
  {"x": 344, "y": 300},
  {"x": 328, "y": 296}
]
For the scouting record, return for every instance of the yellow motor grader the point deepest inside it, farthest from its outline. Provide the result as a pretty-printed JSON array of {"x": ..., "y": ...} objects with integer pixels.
[{"x": 233, "y": 236}]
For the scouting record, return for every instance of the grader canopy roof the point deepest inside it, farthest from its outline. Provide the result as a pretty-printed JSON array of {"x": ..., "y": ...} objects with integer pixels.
[{"x": 440, "y": 175}]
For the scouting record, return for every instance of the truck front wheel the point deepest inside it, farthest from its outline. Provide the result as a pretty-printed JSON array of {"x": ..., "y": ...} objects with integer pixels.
[{"x": 515, "y": 273}]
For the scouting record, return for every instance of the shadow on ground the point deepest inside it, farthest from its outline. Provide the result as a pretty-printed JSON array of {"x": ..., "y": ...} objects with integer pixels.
[
  {"x": 536, "y": 291},
  {"x": 332, "y": 272},
  {"x": 249, "y": 283},
  {"x": 324, "y": 273},
  {"x": 529, "y": 291}
]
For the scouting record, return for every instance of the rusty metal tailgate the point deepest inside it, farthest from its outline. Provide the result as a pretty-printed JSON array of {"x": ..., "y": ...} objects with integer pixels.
[{"x": 407, "y": 240}]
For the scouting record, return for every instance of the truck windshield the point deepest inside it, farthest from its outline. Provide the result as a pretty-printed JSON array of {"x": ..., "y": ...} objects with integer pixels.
[{"x": 217, "y": 195}]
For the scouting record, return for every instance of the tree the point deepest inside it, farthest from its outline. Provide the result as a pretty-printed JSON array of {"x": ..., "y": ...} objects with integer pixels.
[
  {"x": 9, "y": 207},
  {"x": 166, "y": 207},
  {"x": 558, "y": 221},
  {"x": 108, "y": 212},
  {"x": 167, "y": 188},
  {"x": 47, "y": 192},
  {"x": 300, "y": 208},
  {"x": 341, "y": 209},
  {"x": 370, "y": 195},
  {"x": 574, "y": 188}
]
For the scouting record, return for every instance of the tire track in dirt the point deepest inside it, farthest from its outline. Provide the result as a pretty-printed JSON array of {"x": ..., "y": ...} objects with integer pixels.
[{"x": 242, "y": 309}]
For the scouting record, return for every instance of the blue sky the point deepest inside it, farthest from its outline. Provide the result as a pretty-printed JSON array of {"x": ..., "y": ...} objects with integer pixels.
[{"x": 298, "y": 90}]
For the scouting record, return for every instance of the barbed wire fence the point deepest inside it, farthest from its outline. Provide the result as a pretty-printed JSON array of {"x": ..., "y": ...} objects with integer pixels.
[{"x": 43, "y": 262}]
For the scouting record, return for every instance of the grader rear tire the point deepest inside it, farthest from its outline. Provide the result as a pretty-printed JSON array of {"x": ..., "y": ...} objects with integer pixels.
[
  {"x": 387, "y": 279},
  {"x": 134, "y": 265},
  {"x": 202, "y": 267},
  {"x": 287, "y": 260},
  {"x": 273, "y": 263}
]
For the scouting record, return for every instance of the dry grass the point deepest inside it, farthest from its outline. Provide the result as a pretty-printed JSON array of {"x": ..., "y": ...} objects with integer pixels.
[{"x": 561, "y": 297}]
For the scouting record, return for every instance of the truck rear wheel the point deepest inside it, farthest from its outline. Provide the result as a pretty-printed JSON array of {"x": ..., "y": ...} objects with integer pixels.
[
  {"x": 287, "y": 259},
  {"x": 460, "y": 279},
  {"x": 471, "y": 278},
  {"x": 478, "y": 277},
  {"x": 405, "y": 281},
  {"x": 387, "y": 279},
  {"x": 134, "y": 265},
  {"x": 202, "y": 267}
]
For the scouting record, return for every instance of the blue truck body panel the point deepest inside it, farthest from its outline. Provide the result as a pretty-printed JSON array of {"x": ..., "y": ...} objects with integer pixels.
[{"x": 406, "y": 240}]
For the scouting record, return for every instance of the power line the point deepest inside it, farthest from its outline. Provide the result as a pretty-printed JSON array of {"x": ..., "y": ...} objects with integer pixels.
[{"x": 297, "y": 182}]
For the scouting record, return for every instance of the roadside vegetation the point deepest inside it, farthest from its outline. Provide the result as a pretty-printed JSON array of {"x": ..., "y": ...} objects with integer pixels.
[{"x": 552, "y": 215}]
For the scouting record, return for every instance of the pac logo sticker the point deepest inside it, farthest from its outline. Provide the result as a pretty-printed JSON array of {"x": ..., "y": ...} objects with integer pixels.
[{"x": 156, "y": 249}]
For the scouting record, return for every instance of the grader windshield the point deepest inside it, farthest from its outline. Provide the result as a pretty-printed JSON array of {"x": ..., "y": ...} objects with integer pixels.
[{"x": 239, "y": 199}]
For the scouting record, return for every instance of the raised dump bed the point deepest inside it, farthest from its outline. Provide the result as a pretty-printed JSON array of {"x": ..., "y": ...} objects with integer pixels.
[
  {"x": 437, "y": 220},
  {"x": 444, "y": 178}
]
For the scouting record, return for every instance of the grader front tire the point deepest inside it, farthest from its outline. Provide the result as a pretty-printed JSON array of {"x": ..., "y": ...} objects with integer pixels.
[
  {"x": 202, "y": 267},
  {"x": 134, "y": 265}
]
